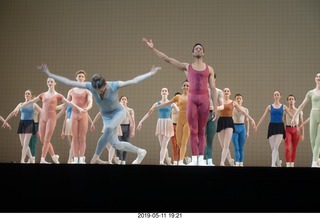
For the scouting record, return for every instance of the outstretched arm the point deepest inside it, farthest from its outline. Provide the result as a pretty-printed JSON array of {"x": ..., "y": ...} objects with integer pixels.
[
  {"x": 179, "y": 65},
  {"x": 73, "y": 105},
  {"x": 140, "y": 78},
  {"x": 262, "y": 118},
  {"x": 144, "y": 118},
  {"x": 61, "y": 79},
  {"x": 18, "y": 107},
  {"x": 156, "y": 106}
]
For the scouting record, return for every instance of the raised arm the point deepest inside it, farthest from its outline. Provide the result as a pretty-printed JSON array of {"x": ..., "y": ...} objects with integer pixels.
[
  {"x": 177, "y": 64},
  {"x": 19, "y": 106},
  {"x": 156, "y": 106},
  {"x": 61, "y": 79},
  {"x": 140, "y": 78}
]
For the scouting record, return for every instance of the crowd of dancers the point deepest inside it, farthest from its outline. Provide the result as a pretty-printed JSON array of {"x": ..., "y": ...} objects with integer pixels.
[{"x": 195, "y": 115}]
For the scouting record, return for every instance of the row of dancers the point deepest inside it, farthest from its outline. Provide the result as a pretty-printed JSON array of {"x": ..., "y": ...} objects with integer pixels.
[{"x": 198, "y": 111}]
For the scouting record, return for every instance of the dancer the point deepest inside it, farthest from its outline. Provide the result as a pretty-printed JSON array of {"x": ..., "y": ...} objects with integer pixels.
[
  {"x": 67, "y": 132},
  {"x": 48, "y": 117},
  {"x": 211, "y": 127},
  {"x": 241, "y": 131},
  {"x": 276, "y": 130},
  {"x": 26, "y": 125},
  {"x": 105, "y": 94},
  {"x": 225, "y": 127},
  {"x": 199, "y": 74},
  {"x": 127, "y": 129},
  {"x": 183, "y": 130},
  {"x": 164, "y": 127},
  {"x": 314, "y": 121},
  {"x": 293, "y": 134},
  {"x": 79, "y": 128}
]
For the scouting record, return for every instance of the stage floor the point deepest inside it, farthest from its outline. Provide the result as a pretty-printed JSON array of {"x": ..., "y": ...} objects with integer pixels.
[{"x": 155, "y": 188}]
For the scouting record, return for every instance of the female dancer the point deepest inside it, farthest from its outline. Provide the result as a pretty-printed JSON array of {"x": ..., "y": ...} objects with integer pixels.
[
  {"x": 127, "y": 129},
  {"x": 106, "y": 96},
  {"x": 183, "y": 130},
  {"x": 314, "y": 121},
  {"x": 225, "y": 127},
  {"x": 276, "y": 130},
  {"x": 164, "y": 128},
  {"x": 48, "y": 117},
  {"x": 293, "y": 134},
  {"x": 241, "y": 131},
  {"x": 79, "y": 128},
  {"x": 26, "y": 125}
]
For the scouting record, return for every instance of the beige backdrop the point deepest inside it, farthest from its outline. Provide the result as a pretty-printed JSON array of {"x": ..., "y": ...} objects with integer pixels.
[{"x": 255, "y": 47}]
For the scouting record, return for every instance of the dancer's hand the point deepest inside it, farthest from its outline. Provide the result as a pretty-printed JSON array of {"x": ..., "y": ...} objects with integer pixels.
[
  {"x": 44, "y": 68},
  {"x": 154, "y": 70},
  {"x": 214, "y": 116},
  {"x": 148, "y": 42},
  {"x": 139, "y": 126}
]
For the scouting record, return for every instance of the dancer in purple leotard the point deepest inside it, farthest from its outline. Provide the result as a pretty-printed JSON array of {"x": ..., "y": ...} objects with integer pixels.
[{"x": 199, "y": 74}]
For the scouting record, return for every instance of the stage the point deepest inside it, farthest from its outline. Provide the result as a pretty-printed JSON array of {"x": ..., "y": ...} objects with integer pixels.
[{"x": 155, "y": 188}]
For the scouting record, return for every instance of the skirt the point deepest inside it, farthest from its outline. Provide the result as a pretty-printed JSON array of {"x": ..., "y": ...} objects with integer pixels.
[
  {"x": 165, "y": 127},
  {"x": 26, "y": 126},
  {"x": 276, "y": 129},
  {"x": 67, "y": 130},
  {"x": 225, "y": 122}
]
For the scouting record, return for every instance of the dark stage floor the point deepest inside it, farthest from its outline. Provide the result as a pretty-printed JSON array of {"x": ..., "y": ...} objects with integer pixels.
[{"x": 152, "y": 188}]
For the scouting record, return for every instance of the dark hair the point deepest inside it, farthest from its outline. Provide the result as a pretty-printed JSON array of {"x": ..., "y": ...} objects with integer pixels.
[
  {"x": 197, "y": 44},
  {"x": 97, "y": 81},
  {"x": 237, "y": 95},
  {"x": 185, "y": 81},
  {"x": 122, "y": 96},
  {"x": 291, "y": 95},
  {"x": 177, "y": 93},
  {"x": 80, "y": 72}
]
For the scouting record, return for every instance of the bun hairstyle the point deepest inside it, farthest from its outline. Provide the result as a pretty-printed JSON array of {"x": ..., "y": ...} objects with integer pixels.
[{"x": 97, "y": 81}]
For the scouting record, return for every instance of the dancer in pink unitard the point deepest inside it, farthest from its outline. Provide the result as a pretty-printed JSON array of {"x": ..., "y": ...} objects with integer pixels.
[{"x": 199, "y": 75}]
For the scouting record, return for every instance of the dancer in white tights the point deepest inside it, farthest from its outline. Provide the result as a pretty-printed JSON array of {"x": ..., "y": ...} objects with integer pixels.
[{"x": 276, "y": 129}]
